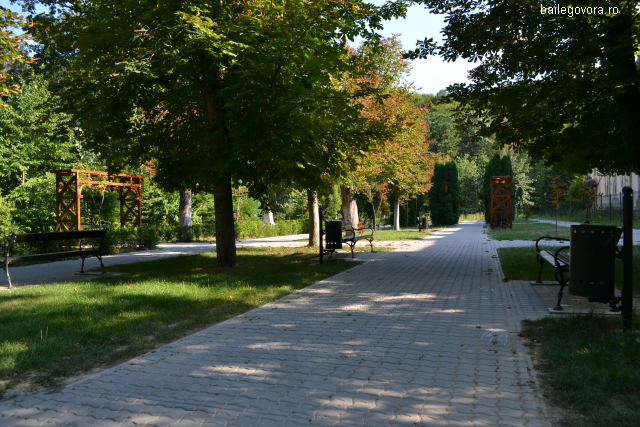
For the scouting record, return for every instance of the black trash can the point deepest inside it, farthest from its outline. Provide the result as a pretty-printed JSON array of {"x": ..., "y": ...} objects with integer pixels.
[
  {"x": 592, "y": 262},
  {"x": 333, "y": 230},
  {"x": 424, "y": 222}
]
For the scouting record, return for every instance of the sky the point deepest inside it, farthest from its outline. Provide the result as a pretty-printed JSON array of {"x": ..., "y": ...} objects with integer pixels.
[{"x": 428, "y": 75}]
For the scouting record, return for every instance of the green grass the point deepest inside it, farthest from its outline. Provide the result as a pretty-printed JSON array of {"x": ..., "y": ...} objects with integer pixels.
[
  {"x": 405, "y": 233},
  {"x": 531, "y": 231},
  {"x": 602, "y": 218},
  {"x": 57, "y": 330},
  {"x": 590, "y": 370},
  {"x": 521, "y": 264}
]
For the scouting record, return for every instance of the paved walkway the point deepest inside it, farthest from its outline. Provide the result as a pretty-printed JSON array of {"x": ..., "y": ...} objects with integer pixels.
[
  {"x": 66, "y": 270},
  {"x": 421, "y": 336}
]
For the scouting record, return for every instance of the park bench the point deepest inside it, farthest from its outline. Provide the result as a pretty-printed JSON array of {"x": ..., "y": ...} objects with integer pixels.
[
  {"x": 353, "y": 235},
  {"x": 95, "y": 237},
  {"x": 559, "y": 260}
]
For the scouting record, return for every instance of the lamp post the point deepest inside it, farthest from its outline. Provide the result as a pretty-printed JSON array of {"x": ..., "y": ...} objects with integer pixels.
[
  {"x": 545, "y": 203},
  {"x": 589, "y": 179}
]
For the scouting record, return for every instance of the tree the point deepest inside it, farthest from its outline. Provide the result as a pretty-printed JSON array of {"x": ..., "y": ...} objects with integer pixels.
[
  {"x": 34, "y": 138},
  {"x": 557, "y": 79},
  {"x": 10, "y": 49},
  {"x": 218, "y": 94},
  {"x": 400, "y": 163},
  {"x": 444, "y": 194}
]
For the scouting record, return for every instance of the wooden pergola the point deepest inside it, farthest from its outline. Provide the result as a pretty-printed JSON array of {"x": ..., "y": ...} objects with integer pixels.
[
  {"x": 501, "y": 201},
  {"x": 69, "y": 185}
]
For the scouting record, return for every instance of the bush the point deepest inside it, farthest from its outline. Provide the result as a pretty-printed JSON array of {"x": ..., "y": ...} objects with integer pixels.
[
  {"x": 256, "y": 229},
  {"x": 444, "y": 195}
]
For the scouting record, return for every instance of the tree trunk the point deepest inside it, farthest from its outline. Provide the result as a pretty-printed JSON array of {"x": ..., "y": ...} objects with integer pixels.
[
  {"x": 314, "y": 219},
  {"x": 223, "y": 198},
  {"x": 184, "y": 214},
  {"x": 225, "y": 231},
  {"x": 396, "y": 212},
  {"x": 349, "y": 206}
]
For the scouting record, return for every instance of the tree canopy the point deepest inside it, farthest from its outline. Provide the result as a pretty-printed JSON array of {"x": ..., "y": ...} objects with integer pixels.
[
  {"x": 557, "y": 79},
  {"x": 215, "y": 94}
]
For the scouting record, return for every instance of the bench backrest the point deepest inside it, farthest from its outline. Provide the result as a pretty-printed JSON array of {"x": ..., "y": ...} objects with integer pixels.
[{"x": 59, "y": 235}]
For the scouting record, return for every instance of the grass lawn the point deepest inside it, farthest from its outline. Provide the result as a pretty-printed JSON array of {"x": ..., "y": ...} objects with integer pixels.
[
  {"x": 405, "y": 233},
  {"x": 52, "y": 331},
  {"x": 531, "y": 231},
  {"x": 521, "y": 264},
  {"x": 589, "y": 368}
]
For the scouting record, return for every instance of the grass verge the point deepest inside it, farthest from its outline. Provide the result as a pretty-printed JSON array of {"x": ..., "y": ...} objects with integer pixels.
[
  {"x": 521, "y": 264},
  {"x": 589, "y": 369},
  {"x": 528, "y": 231},
  {"x": 405, "y": 233},
  {"x": 53, "y": 331}
]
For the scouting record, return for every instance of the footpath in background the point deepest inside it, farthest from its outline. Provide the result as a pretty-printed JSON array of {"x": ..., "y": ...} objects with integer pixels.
[{"x": 61, "y": 271}]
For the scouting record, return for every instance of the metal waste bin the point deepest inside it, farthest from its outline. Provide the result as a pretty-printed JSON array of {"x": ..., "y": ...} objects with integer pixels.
[
  {"x": 333, "y": 230},
  {"x": 424, "y": 222},
  {"x": 592, "y": 262}
]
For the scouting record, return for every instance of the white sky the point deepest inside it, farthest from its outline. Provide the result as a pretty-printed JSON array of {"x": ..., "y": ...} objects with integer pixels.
[{"x": 428, "y": 75}]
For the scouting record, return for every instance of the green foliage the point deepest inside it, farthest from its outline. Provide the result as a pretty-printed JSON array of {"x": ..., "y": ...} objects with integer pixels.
[
  {"x": 444, "y": 195},
  {"x": 6, "y": 222},
  {"x": 256, "y": 229},
  {"x": 34, "y": 138},
  {"x": 34, "y": 204},
  {"x": 329, "y": 198},
  {"x": 470, "y": 184},
  {"x": 126, "y": 239},
  {"x": 563, "y": 87}
]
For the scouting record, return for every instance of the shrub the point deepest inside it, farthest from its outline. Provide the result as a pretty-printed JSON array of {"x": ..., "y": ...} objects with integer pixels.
[
  {"x": 256, "y": 229},
  {"x": 444, "y": 195}
]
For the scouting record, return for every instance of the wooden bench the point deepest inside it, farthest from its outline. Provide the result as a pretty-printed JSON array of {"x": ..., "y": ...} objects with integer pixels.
[
  {"x": 351, "y": 236},
  {"x": 559, "y": 260},
  {"x": 92, "y": 236}
]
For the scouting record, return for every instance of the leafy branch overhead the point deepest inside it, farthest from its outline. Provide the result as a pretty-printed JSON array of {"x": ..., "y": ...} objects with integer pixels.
[{"x": 563, "y": 87}]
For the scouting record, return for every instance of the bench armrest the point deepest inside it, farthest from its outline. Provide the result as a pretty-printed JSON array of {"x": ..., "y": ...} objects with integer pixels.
[
  {"x": 555, "y": 255},
  {"x": 549, "y": 238}
]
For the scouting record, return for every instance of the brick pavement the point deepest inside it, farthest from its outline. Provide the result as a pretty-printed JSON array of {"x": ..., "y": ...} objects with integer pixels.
[{"x": 421, "y": 336}]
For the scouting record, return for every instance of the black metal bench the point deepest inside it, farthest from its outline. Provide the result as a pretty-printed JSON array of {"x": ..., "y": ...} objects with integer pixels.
[
  {"x": 559, "y": 260},
  {"x": 95, "y": 237},
  {"x": 351, "y": 236}
]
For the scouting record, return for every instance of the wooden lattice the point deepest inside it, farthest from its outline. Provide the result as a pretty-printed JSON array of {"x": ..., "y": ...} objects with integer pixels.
[
  {"x": 501, "y": 201},
  {"x": 69, "y": 184}
]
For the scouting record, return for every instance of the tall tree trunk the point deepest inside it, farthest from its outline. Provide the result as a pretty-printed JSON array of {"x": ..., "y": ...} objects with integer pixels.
[
  {"x": 184, "y": 214},
  {"x": 223, "y": 199},
  {"x": 349, "y": 206},
  {"x": 225, "y": 231},
  {"x": 314, "y": 219},
  {"x": 396, "y": 212}
]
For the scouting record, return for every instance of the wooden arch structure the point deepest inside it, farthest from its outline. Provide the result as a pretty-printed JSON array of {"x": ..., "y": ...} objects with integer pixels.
[
  {"x": 501, "y": 201},
  {"x": 69, "y": 184}
]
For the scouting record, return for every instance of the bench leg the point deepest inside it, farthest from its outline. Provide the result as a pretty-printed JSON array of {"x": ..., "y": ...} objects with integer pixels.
[
  {"x": 101, "y": 264},
  {"x": 371, "y": 244},
  {"x": 82, "y": 266},
  {"x": 352, "y": 255},
  {"x": 541, "y": 261},
  {"x": 6, "y": 270},
  {"x": 563, "y": 282}
]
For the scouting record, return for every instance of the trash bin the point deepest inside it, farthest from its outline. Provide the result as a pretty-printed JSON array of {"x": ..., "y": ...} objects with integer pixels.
[
  {"x": 333, "y": 230},
  {"x": 592, "y": 262},
  {"x": 424, "y": 222}
]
